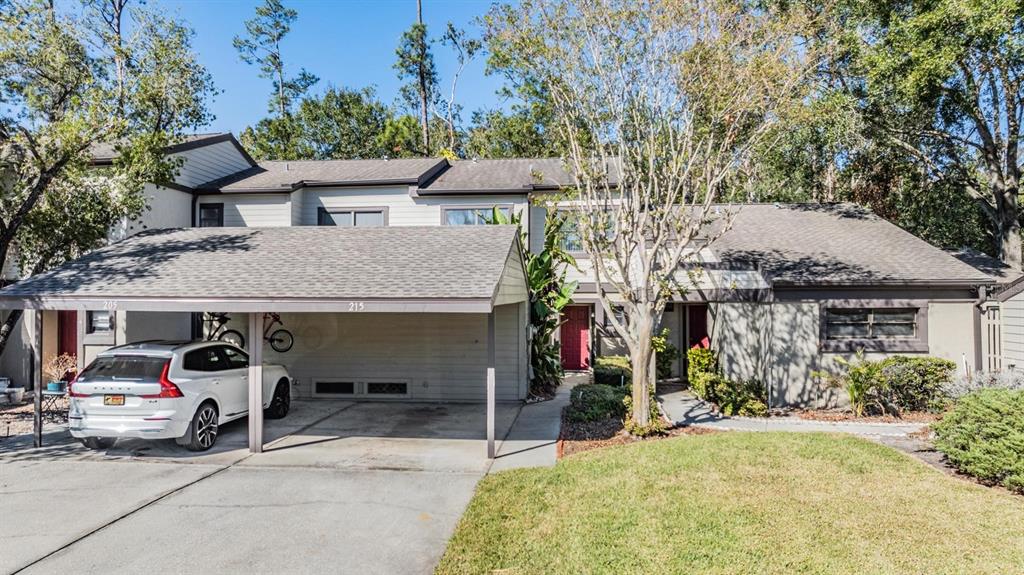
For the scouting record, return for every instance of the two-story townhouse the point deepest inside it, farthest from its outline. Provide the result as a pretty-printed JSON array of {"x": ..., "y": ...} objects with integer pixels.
[{"x": 786, "y": 291}]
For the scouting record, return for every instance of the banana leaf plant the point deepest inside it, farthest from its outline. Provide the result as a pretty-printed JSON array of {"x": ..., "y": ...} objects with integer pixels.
[{"x": 549, "y": 294}]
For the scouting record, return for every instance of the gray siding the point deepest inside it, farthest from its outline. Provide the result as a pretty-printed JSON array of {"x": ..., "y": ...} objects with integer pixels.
[
  {"x": 1012, "y": 311},
  {"x": 442, "y": 357},
  {"x": 403, "y": 209},
  {"x": 209, "y": 163},
  {"x": 252, "y": 210}
]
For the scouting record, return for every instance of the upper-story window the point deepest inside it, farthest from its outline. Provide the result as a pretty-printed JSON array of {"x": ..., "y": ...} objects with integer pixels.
[
  {"x": 211, "y": 215},
  {"x": 358, "y": 217},
  {"x": 472, "y": 216}
]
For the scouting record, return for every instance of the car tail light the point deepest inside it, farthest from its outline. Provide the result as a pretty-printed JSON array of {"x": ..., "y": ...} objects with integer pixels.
[
  {"x": 71, "y": 388},
  {"x": 167, "y": 388}
]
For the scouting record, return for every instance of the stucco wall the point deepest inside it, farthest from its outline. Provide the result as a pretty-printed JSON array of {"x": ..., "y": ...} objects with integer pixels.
[{"x": 778, "y": 344}]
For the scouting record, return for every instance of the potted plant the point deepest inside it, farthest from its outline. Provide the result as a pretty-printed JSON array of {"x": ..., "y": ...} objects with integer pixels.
[{"x": 57, "y": 369}]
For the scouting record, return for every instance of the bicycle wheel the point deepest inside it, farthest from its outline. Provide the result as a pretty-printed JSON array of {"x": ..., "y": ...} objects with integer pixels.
[
  {"x": 281, "y": 340},
  {"x": 234, "y": 337}
]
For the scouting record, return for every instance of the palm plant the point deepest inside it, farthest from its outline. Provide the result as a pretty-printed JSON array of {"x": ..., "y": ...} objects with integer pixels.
[{"x": 549, "y": 294}]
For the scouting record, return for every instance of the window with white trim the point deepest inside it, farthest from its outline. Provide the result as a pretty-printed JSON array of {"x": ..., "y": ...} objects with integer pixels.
[
  {"x": 476, "y": 216},
  {"x": 349, "y": 218},
  {"x": 871, "y": 323}
]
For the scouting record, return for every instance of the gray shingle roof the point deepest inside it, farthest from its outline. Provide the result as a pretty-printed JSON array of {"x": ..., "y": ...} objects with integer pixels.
[
  {"x": 835, "y": 244},
  {"x": 438, "y": 262},
  {"x": 285, "y": 176},
  {"x": 500, "y": 175}
]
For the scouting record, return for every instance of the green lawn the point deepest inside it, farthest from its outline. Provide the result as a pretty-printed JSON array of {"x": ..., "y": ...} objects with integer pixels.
[{"x": 738, "y": 503}]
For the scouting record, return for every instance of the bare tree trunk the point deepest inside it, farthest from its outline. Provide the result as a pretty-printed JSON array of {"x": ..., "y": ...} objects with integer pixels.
[
  {"x": 641, "y": 356},
  {"x": 423, "y": 83},
  {"x": 8, "y": 328},
  {"x": 1008, "y": 227}
]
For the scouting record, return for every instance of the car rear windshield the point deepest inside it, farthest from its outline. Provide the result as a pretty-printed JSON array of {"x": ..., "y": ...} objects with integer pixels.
[{"x": 124, "y": 367}]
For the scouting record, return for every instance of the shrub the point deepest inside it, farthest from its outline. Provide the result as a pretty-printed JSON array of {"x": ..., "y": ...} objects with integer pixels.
[
  {"x": 983, "y": 436},
  {"x": 893, "y": 385},
  {"x": 746, "y": 398},
  {"x": 915, "y": 383},
  {"x": 613, "y": 370},
  {"x": 595, "y": 402},
  {"x": 963, "y": 384},
  {"x": 665, "y": 354},
  {"x": 700, "y": 360}
]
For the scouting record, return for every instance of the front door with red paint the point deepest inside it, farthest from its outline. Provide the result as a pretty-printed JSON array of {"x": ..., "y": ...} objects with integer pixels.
[
  {"x": 67, "y": 334},
  {"x": 575, "y": 337}
]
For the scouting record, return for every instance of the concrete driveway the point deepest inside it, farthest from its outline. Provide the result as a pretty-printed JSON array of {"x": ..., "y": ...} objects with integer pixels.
[{"x": 342, "y": 488}]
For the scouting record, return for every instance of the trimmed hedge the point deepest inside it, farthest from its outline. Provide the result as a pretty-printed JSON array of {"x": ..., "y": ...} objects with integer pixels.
[
  {"x": 596, "y": 402},
  {"x": 983, "y": 436},
  {"x": 613, "y": 370}
]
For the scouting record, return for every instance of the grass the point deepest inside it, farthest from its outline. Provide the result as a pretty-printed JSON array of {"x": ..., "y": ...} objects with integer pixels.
[{"x": 738, "y": 503}]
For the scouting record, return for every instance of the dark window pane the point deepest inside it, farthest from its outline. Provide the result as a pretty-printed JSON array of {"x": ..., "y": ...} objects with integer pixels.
[
  {"x": 211, "y": 215},
  {"x": 377, "y": 388},
  {"x": 895, "y": 315},
  {"x": 206, "y": 359},
  {"x": 894, "y": 330},
  {"x": 131, "y": 368},
  {"x": 336, "y": 387},
  {"x": 845, "y": 330},
  {"x": 848, "y": 315}
]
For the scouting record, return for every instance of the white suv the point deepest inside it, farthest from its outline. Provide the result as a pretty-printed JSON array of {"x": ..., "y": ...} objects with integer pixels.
[{"x": 169, "y": 390}]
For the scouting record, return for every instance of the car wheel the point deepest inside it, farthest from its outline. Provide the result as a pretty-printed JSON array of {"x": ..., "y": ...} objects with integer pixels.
[
  {"x": 280, "y": 402},
  {"x": 202, "y": 432},
  {"x": 98, "y": 443}
]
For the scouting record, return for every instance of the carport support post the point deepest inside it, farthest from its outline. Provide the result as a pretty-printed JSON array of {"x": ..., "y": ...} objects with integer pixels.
[
  {"x": 255, "y": 382},
  {"x": 34, "y": 323},
  {"x": 490, "y": 385}
]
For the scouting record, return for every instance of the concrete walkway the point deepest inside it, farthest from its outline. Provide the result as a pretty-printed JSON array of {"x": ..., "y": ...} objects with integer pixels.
[
  {"x": 533, "y": 439},
  {"x": 684, "y": 408}
]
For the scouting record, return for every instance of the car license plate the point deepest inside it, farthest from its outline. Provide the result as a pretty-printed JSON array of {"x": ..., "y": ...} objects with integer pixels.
[{"x": 113, "y": 400}]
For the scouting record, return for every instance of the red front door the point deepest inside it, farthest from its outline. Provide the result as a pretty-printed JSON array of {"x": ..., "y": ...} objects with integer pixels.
[
  {"x": 67, "y": 335},
  {"x": 575, "y": 337},
  {"x": 67, "y": 332}
]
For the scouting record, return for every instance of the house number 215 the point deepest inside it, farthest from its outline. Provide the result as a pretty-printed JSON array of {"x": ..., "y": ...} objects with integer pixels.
[{"x": 355, "y": 306}]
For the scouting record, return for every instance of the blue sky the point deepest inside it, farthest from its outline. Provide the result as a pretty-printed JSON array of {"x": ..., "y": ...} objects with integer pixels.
[{"x": 345, "y": 42}]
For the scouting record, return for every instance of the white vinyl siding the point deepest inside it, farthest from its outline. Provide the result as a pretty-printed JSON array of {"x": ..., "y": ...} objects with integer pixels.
[
  {"x": 208, "y": 163},
  {"x": 403, "y": 209},
  {"x": 443, "y": 357},
  {"x": 165, "y": 208},
  {"x": 251, "y": 210},
  {"x": 1012, "y": 316},
  {"x": 296, "y": 199}
]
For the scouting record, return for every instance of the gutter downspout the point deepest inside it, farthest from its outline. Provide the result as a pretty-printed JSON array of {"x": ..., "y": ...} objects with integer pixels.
[
  {"x": 978, "y": 304},
  {"x": 195, "y": 202}
]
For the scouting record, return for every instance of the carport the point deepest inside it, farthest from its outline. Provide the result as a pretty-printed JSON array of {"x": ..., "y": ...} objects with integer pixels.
[{"x": 310, "y": 270}]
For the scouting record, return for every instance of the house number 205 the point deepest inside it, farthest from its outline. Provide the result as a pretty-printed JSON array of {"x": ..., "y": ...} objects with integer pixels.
[{"x": 355, "y": 306}]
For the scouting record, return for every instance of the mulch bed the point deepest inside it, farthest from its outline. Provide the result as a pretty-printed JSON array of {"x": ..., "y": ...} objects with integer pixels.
[
  {"x": 577, "y": 437},
  {"x": 843, "y": 415}
]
